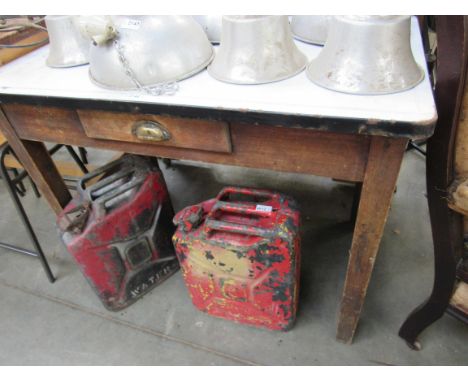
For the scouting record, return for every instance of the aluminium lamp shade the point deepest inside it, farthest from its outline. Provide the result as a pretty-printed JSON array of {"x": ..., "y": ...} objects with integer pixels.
[
  {"x": 311, "y": 29},
  {"x": 158, "y": 50},
  {"x": 67, "y": 46},
  {"x": 367, "y": 55},
  {"x": 256, "y": 50}
]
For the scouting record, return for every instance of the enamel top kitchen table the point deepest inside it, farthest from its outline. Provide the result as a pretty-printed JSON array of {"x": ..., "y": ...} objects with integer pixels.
[{"x": 292, "y": 126}]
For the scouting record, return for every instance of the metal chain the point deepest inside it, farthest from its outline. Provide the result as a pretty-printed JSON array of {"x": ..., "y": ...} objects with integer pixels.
[{"x": 167, "y": 88}]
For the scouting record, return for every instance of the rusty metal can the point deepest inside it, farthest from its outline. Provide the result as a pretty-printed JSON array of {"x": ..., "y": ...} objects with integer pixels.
[
  {"x": 118, "y": 229},
  {"x": 240, "y": 256}
]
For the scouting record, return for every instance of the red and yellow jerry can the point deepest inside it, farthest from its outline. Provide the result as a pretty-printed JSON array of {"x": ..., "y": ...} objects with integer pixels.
[
  {"x": 118, "y": 229},
  {"x": 240, "y": 256}
]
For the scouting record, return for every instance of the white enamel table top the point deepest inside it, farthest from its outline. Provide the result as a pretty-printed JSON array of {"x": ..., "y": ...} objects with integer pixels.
[{"x": 296, "y": 96}]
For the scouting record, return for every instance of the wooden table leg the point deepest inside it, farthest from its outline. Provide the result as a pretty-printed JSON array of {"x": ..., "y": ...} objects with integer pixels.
[
  {"x": 383, "y": 166},
  {"x": 39, "y": 165}
]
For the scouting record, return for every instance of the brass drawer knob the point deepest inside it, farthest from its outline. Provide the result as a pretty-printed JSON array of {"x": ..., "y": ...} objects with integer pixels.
[{"x": 150, "y": 131}]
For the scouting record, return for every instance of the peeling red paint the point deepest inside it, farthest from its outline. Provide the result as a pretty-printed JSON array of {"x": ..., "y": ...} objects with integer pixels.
[
  {"x": 119, "y": 249},
  {"x": 240, "y": 260}
]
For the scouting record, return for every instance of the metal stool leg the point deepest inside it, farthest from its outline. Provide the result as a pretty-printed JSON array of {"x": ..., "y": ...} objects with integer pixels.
[
  {"x": 77, "y": 159},
  {"x": 20, "y": 185},
  {"x": 22, "y": 190},
  {"x": 15, "y": 186},
  {"x": 83, "y": 155},
  {"x": 19, "y": 207},
  {"x": 80, "y": 163},
  {"x": 34, "y": 187},
  {"x": 412, "y": 145}
]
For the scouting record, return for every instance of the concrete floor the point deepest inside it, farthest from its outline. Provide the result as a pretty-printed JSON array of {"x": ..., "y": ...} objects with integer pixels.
[{"x": 65, "y": 324}]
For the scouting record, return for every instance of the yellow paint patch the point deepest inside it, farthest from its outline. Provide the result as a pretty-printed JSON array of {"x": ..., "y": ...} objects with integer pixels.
[{"x": 218, "y": 261}]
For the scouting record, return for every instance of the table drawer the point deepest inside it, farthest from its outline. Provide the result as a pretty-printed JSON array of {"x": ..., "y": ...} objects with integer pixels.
[{"x": 206, "y": 135}]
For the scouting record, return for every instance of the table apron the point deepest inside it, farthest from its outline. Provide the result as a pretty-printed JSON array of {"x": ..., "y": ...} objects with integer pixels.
[{"x": 288, "y": 149}]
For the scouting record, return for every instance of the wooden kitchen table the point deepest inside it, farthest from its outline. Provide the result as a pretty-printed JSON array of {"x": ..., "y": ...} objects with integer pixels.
[{"x": 291, "y": 125}]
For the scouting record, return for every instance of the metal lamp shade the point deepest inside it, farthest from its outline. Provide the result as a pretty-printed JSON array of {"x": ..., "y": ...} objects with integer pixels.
[
  {"x": 256, "y": 50},
  {"x": 158, "y": 50},
  {"x": 212, "y": 26},
  {"x": 310, "y": 29},
  {"x": 67, "y": 46},
  {"x": 367, "y": 55}
]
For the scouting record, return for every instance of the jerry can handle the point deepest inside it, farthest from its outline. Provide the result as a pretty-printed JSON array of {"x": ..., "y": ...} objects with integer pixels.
[
  {"x": 237, "y": 208},
  {"x": 101, "y": 201},
  {"x": 245, "y": 191},
  {"x": 241, "y": 208},
  {"x": 93, "y": 174},
  {"x": 212, "y": 224},
  {"x": 216, "y": 225}
]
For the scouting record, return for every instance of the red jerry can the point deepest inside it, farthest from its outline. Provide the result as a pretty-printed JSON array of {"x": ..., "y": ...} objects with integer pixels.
[
  {"x": 240, "y": 256},
  {"x": 119, "y": 228}
]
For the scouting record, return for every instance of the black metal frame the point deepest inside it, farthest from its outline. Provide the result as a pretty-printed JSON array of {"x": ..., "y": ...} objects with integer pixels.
[
  {"x": 16, "y": 188},
  {"x": 83, "y": 155},
  {"x": 415, "y": 146}
]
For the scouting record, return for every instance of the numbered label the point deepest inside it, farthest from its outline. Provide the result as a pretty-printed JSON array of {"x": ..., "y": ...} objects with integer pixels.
[
  {"x": 131, "y": 24},
  {"x": 263, "y": 208}
]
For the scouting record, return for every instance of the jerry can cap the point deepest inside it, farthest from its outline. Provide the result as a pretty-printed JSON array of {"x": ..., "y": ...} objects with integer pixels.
[
  {"x": 189, "y": 218},
  {"x": 75, "y": 220}
]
